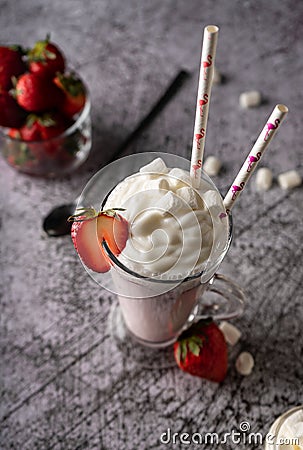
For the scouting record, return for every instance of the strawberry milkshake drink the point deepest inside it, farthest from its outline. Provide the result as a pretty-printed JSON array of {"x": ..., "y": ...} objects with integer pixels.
[
  {"x": 178, "y": 236},
  {"x": 162, "y": 261},
  {"x": 172, "y": 225}
]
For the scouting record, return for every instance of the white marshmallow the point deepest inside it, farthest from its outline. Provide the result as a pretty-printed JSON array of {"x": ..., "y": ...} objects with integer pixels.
[
  {"x": 264, "y": 179},
  {"x": 290, "y": 179},
  {"x": 250, "y": 99},
  {"x": 217, "y": 77},
  {"x": 231, "y": 333},
  {"x": 155, "y": 166},
  {"x": 212, "y": 166},
  {"x": 212, "y": 202},
  {"x": 169, "y": 203},
  {"x": 189, "y": 196},
  {"x": 245, "y": 363},
  {"x": 179, "y": 176}
]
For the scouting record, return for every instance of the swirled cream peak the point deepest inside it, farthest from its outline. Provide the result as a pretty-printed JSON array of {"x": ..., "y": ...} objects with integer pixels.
[{"x": 172, "y": 230}]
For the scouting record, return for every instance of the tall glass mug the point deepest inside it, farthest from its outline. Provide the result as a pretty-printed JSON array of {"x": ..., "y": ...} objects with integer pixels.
[{"x": 157, "y": 307}]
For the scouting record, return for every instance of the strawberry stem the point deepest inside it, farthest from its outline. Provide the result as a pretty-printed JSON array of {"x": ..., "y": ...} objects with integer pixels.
[
  {"x": 83, "y": 214},
  {"x": 39, "y": 53},
  {"x": 191, "y": 340},
  {"x": 111, "y": 212}
]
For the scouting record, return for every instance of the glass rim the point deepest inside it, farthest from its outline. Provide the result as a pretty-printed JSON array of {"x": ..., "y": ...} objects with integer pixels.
[
  {"x": 96, "y": 193},
  {"x": 81, "y": 117}
]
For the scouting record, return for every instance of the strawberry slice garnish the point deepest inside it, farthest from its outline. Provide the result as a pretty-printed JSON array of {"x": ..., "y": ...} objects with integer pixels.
[
  {"x": 112, "y": 228},
  {"x": 90, "y": 229},
  {"x": 201, "y": 350},
  {"x": 87, "y": 245}
]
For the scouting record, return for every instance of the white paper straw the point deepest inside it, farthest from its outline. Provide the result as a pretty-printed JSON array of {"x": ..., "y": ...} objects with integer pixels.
[
  {"x": 209, "y": 47},
  {"x": 255, "y": 155}
]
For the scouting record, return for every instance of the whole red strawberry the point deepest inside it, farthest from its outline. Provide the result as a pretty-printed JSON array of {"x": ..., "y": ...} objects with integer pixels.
[
  {"x": 43, "y": 127},
  {"x": 37, "y": 94},
  {"x": 46, "y": 59},
  {"x": 11, "y": 65},
  {"x": 74, "y": 93},
  {"x": 202, "y": 351},
  {"x": 11, "y": 115}
]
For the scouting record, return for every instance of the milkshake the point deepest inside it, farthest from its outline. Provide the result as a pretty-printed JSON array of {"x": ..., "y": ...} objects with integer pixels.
[{"x": 178, "y": 236}]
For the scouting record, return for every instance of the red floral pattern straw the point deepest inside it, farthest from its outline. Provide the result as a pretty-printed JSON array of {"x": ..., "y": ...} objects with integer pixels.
[
  {"x": 209, "y": 47},
  {"x": 255, "y": 155}
]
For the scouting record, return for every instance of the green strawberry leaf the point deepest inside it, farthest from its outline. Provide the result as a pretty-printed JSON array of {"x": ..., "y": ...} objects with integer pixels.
[
  {"x": 49, "y": 55},
  {"x": 198, "y": 340},
  {"x": 18, "y": 48},
  {"x": 39, "y": 53},
  {"x": 192, "y": 343},
  {"x": 71, "y": 84},
  {"x": 24, "y": 155},
  {"x": 178, "y": 354},
  {"x": 31, "y": 119},
  {"x": 47, "y": 120},
  {"x": 82, "y": 214},
  {"x": 111, "y": 212},
  {"x": 195, "y": 329},
  {"x": 194, "y": 347},
  {"x": 183, "y": 350}
]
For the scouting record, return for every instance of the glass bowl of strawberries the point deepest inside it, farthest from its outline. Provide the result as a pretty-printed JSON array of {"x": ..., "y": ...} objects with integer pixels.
[{"x": 45, "y": 111}]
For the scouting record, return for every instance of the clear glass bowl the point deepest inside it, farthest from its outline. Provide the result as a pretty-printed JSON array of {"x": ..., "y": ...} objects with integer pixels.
[{"x": 51, "y": 157}]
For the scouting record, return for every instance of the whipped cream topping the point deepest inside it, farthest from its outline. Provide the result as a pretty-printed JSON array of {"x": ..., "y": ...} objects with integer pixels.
[{"x": 175, "y": 230}]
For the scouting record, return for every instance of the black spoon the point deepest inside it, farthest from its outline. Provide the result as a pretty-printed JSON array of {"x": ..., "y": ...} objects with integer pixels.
[{"x": 55, "y": 223}]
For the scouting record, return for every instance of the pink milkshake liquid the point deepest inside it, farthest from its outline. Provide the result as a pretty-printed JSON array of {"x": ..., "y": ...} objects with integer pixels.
[{"x": 156, "y": 321}]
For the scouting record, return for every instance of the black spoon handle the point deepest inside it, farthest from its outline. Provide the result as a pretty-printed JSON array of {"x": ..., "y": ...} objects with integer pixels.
[{"x": 169, "y": 93}]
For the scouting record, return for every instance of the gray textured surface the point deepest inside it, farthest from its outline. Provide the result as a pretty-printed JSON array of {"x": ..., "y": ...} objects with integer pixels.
[{"x": 64, "y": 385}]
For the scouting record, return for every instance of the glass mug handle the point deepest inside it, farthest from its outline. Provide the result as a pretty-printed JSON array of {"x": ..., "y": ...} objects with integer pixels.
[{"x": 223, "y": 299}]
